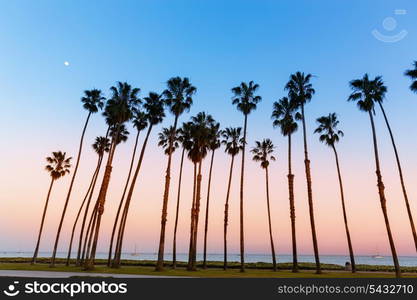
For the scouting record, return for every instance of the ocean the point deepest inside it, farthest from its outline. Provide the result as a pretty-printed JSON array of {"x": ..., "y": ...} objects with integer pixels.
[{"x": 407, "y": 261}]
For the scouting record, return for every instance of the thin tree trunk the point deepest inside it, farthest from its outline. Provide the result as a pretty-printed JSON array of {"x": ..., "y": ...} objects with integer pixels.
[
  {"x": 189, "y": 267},
  {"x": 196, "y": 218},
  {"x": 397, "y": 157},
  {"x": 174, "y": 246},
  {"x": 381, "y": 191},
  {"x": 207, "y": 213},
  {"x": 310, "y": 195},
  {"x": 292, "y": 209},
  {"x": 274, "y": 260},
  {"x": 58, "y": 234},
  {"x": 226, "y": 213},
  {"x": 242, "y": 172},
  {"x": 352, "y": 257},
  {"x": 122, "y": 200},
  {"x": 100, "y": 203},
  {"x": 35, "y": 254},
  {"x": 160, "y": 262},
  {"x": 89, "y": 235},
  {"x": 119, "y": 245},
  {"x": 80, "y": 210}
]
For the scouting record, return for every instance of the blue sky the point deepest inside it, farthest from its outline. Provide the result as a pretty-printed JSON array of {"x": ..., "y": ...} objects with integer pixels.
[{"x": 217, "y": 44}]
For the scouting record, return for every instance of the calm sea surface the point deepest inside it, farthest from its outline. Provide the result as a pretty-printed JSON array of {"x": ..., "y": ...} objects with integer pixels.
[{"x": 330, "y": 259}]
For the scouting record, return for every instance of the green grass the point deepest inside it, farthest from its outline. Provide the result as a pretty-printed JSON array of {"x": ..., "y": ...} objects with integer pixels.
[{"x": 255, "y": 270}]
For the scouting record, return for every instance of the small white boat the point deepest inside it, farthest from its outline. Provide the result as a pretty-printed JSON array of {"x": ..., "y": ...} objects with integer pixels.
[{"x": 135, "y": 253}]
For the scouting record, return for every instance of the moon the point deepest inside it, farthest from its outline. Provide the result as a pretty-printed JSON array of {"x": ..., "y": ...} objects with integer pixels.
[{"x": 66, "y": 63}]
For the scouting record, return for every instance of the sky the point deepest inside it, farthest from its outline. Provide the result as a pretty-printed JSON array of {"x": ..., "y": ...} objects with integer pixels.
[{"x": 217, "y": 44}]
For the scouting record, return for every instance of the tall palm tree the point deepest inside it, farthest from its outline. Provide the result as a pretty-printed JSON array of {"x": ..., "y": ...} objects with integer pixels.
[
  {"x": 183, "y": 135},
  {"x": 178, "y": 98},
  {"x": 201, "y": 129},
  {"x": 283, "y": 116},
  {"x": 140, "y": 123},
  {"x": 214, "y": 144},
  {"x": 330, "y": 135},
  {"x": 92, "y": 101},
  {"x": 233, "y": 141},
  {"x": 245, "y": 100},
  {"x": 412, "y": 73},
  {"x": 58, "y": 165},
  {"x": 101, "y": 145},
  {"x": 301, "y": 91},
  {"x": 380, "y": 86},
  {"x": 164, "y": 140},
  {"x": 366, "y": 92},
  {"x": 154, "y": 109},
  {"x": 262, "y": 153},
  {"x": 118, "y": 111}
]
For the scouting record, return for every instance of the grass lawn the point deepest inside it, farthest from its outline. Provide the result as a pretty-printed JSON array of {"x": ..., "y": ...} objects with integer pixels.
[{"x": 211, "y": 272}]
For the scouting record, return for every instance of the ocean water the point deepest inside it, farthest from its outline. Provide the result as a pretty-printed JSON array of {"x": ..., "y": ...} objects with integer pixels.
[{"x": 409, "y": 261}]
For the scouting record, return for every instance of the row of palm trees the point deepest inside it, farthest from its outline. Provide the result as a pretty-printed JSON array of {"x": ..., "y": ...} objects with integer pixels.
[{"x": 196, "y": 138}]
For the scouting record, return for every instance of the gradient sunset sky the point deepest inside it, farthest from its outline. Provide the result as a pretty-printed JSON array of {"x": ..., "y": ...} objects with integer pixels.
[{"x": 217, "y": 44}]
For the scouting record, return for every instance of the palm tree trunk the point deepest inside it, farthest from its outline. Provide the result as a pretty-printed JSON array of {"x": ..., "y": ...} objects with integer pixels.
[
  {"x": 207, "y": 213},
  {"x": 397, "y": 157},
  {"x": 274, "y": 260},
  {"x": 310, "y": 195},
  {"x": 69, "y": 192},
  {"x": 35, "y": 254},
  {"x": 197, "y": 214},
  {"x": 189, "y": 267},
  {"x": 352, "y": 257},
  {"x": 160, "y": 262},
  {"x": 80, "y": 210},
  {"x": 89, "y": 235},
  {"x": 174, "y": 246},
  {"x": 119, "y": 244},
  {"x": 226, "y": 213},
  {"x": 100, "y": 205},
  {"x": 292, "y": 209},
  {"x": 242, "y": 172},
  {"x": 122, "y": 199},
  {"x": 383, "y": 200}
]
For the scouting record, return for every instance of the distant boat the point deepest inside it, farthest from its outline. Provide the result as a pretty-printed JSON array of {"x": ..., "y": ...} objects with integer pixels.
[
  {"x": 135, "y": 253},
  {"x": 377, "y": 255}
]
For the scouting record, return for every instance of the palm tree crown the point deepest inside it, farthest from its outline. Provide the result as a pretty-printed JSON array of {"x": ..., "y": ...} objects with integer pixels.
[
  {"x": 299, "y": 88},
  {"x": 93, "y": 100},
  {"x": 178, "y": 95},
  {"x": 215, "y": 134},
  {"x": 366, "y": 92},
  {"x": 329, "y": 134},
  {"x": 262, "y": 152},
  {"x": 139, "y": 119},
  {"x": 232, "y": 139},
  {"x": 58, "y": 164},
  {"x": 283, "y": 115},
  {"x": 164, "y": 137},
  {"x": 200, "y": 129},
  {"x": 101, "y": 145},
  {"x": 119, "y": 133},
  {"x": 154, "y": 108},
  {"x": 244, "y": 97},
  {"x": 413, "y": 76}
]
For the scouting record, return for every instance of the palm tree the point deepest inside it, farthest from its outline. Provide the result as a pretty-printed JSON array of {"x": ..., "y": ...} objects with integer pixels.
[
  {"x": 58, "y": 165},
  {"x": 178, "y": 97},
  {"x": 283, "y": 116},
  {"x": 117, "y": 112},
  {"x": 380, "y": 86},
  {"x": 92, "y": 102},
  {"x": 301, "y": 91},
  {"x": 366, "y": 92},
  {"x": 101, "y": 145},
  {"x": 330, "y": 135},
  {"x": 262, "y": 153},
  {"x": 233, "y": 144},
  {"x": 154, "y": 110},
  {"x": 245, "y": 100},
  {"x": 140, "y": 123},
  {"x": 413, "y": 76},
  {"x": 164, "y": 140},
  {"x": 183, "y": 135},
  {"x": 213, "y": 146},
  {"x": 201, "y": 129}
]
